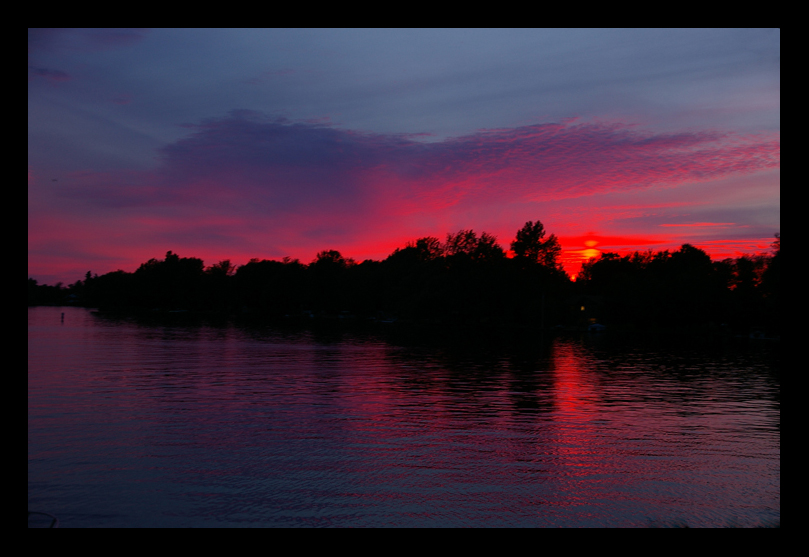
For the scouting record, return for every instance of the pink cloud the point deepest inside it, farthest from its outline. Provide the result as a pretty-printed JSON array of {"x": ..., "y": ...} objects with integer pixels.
[
  {"x": 261, "y": 187},
  {"x": 289, "y": 165}
]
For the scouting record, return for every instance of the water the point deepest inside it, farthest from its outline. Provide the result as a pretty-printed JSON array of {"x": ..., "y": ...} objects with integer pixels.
[{"x": 223, "y": 424}]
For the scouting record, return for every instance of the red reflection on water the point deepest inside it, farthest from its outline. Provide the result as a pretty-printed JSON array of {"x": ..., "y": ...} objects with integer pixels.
[{"x": 578, "y": 446}]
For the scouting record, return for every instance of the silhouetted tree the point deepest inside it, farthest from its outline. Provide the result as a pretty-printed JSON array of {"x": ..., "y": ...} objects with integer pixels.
[
  {"x": 466, "y": 243},
  {"x": 327, "y": 281},
  {"x": 462, "y": 242},
  {"x": 771, "y": 277},
  {"x": 222, "y": 269},
  {"x": 330, "y": 258},
  {"x": 487, "y": 249},
  {"x": 531, "y": 246},
  {"x": 771, "y": 287},
  {"x": 465, "y": 280},
  {"x": 427, "y": 248},
  {"x": 45, "y": 295},
  {"x": 173, "y": 283}
]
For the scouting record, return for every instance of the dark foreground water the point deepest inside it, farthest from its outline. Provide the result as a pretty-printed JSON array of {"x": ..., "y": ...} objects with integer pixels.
[{"x": 194, "y": 424}]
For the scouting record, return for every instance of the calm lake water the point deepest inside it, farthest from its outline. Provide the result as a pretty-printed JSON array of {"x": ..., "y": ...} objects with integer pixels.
[{"x": 183, "y": 423}]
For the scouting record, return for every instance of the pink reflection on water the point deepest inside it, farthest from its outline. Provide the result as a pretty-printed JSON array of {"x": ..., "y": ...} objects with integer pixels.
[{"x": 228, "y": 423}]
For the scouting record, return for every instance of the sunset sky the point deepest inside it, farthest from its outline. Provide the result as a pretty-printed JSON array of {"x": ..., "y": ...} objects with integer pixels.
[{"x": 270, "y": 143}]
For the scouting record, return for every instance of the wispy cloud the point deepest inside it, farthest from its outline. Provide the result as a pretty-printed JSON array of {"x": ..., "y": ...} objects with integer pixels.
[
  {"x": 273, "y": 166},
  {"x": 296, "y": 162},
  {"x": 266, "y": 184}
]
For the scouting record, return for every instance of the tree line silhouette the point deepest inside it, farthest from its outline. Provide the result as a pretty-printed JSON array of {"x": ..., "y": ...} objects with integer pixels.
[
  {"x": 465, "y": 279},
  {"x": 686, "y": 287}
]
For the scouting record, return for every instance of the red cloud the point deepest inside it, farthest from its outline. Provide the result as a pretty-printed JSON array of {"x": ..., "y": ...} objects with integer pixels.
[{"x": 288, "y": 188}]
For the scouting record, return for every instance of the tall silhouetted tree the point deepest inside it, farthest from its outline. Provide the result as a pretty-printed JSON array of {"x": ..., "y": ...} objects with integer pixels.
[{"x": 531, "y": 246}]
